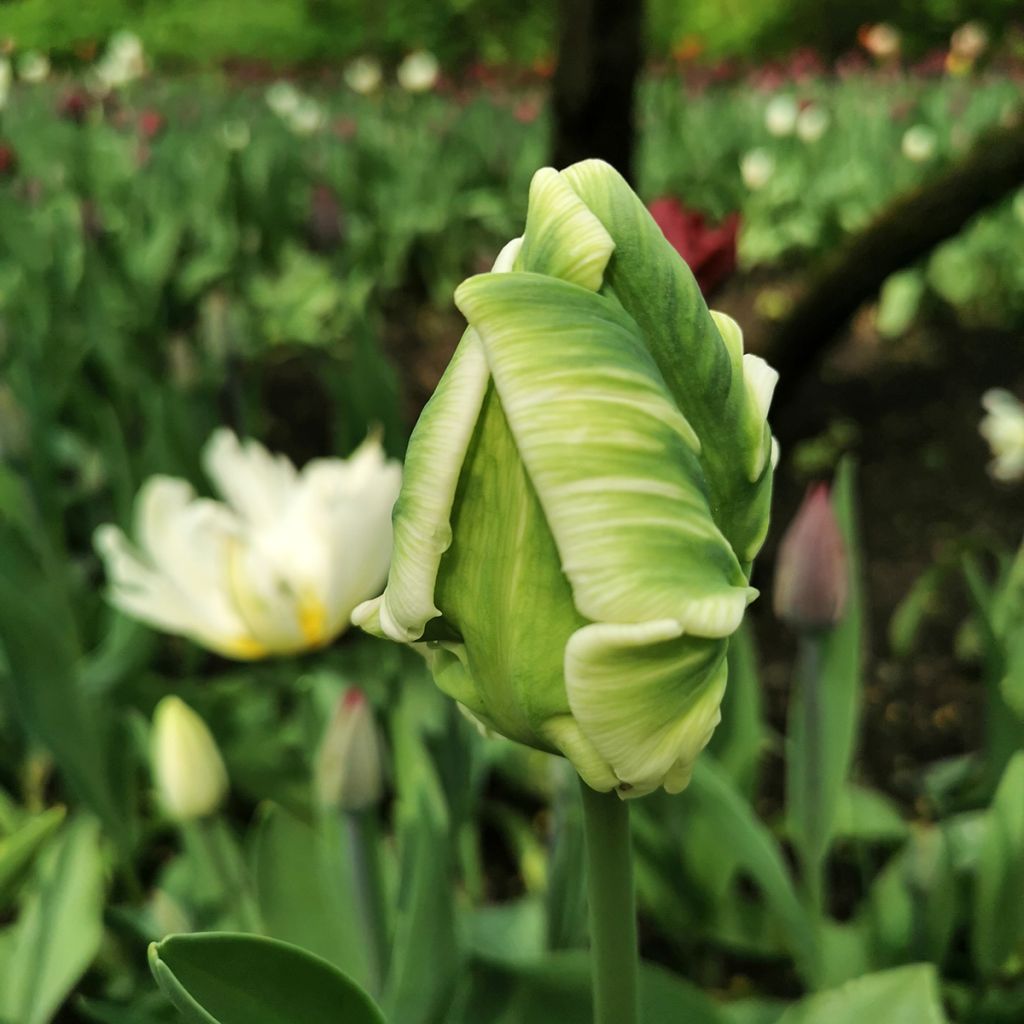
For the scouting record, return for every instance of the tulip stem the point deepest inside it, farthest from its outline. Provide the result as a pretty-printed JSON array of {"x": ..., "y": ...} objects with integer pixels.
[
  {"x": 216, "y": 844},
  {"x": 613, "y": 938},
  {"x": 364, "y": 848}
]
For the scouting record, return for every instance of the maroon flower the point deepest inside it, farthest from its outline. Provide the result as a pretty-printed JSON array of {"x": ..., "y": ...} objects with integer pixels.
[
  {"x": 709, "y": 250},
  {"x": 8, "y": 160},
  {"x": 74, "y": 105},
  {"x": 325, "y": 227},
  {"x": 810, "y": 575},
  {"x": 151, "y": 124}
]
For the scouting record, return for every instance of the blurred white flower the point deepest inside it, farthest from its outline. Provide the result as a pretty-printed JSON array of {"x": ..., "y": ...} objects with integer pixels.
[
  {"x": 882, "y": 41},
  {"x": 812, "y": 123},
  {"x": 187, "y": 767},
  {"x": 275, "y": 568},
  {"x": 756, "y": 168},
  {"x": 419, "y": 71},
  {"x": 123, "y": 61},
  {"x": 33, "y": 66},
  {"x": 283, "y": 98},
  {"x": 1003, "y": 428},
  {"x": 5, "y": 81},
  {"x": 919, "y": 143},
  {"x": 363, "y": 75},
  {"x": 780, "y": 116},
  {"x": 235, "y": 134},
  {"x": 969, "y": 41},
  {"x": 350, "y": 763},
  {"x": 308, "y": 117}
]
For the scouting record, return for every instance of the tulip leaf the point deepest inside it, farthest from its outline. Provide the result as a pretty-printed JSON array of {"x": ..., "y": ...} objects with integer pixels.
[
  {"x": 998, "y": 924},
  {"x": 59, "y": 929},
  {"x": 302, "y": 877},
  {"x": 425, "y": 954},
  {"x": 227, "y": 978},
  {"x": 18, "y": 849},
  {"x": 757, "y": 852},
  {"x": 909, "y": 995},
  {"x": 557, "y": 990}
]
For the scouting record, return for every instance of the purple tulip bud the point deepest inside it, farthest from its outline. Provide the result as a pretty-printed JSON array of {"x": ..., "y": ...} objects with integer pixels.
[{"x": 810, "y": 574}]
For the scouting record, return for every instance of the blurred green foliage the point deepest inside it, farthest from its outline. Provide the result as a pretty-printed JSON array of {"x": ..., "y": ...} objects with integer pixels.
[{"x": 462, "y": 31}]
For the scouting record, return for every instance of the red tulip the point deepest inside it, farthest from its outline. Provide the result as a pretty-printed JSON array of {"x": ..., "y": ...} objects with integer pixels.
[
  {"x": 710, "y": 251},
  {"x": 810, "y": 574}
]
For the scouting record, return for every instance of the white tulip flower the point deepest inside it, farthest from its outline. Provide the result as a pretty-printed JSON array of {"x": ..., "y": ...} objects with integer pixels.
[
  {"x": 283, "y": 98},
  {"x": 756, "y": 168},
  {"x": 33, "y": 67},
  {"x": 418, "y": 72},
  {"x": 307, "y": 118},
  {"x": 123, "y": 61},
  {"x": 363, "y": 75},
  {"x": 780, "y": 116},
  {"x": 919, "y": 143},
  {"x": 187, "y": 767},
  {"x": 811, "y": 124},
  {"x": 1003, "y": 428},
  {"x": 275, "y": 568}
]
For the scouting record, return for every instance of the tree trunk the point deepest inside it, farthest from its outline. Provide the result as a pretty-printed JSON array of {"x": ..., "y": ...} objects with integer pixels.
[
  {"x": 906, "y": 231},
  {"x": 599, "y": 58}
]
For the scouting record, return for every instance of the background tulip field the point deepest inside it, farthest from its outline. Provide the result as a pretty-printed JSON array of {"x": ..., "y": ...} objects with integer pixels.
[{"x": 210, "y": 220}]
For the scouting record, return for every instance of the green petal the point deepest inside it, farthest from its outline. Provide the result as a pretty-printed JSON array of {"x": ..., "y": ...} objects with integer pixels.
[
  {"x": 565, "y": 735},
  {"x": 647, "y": 697},
  {"x": 563, "y": 238},
  {"x": 422, "y": 513},
  {"x": 703, "y": 372},
  {"x": 609, "y": 454}
]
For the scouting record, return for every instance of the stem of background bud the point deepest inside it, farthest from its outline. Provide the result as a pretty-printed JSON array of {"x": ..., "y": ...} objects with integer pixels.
[
  {"x": 613, "y": 938},
  {"x": 213, "y": 840},
  {"x": 364, "y": 849},
  {"x": 813, "y": 842}
]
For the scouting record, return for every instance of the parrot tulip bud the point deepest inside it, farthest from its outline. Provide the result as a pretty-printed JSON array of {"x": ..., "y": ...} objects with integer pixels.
[
  {"x": 810, "y": 579},
  {"x": 190, "y": 774},
  {"x": 349, "y": 768},
  {"x": 584, "y": 494}
]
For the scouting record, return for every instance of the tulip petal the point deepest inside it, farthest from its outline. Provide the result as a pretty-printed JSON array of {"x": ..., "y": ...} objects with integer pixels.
[
  {"x": 433, "y": 463},
  {"x": 647, "y": 697},
  {"x": 703, "y": 372},
  {"x": 563, "y": 238},
  {"x": 610, "y": 456}
]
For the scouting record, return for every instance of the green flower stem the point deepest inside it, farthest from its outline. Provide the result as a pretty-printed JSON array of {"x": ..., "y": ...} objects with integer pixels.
[
  {"x": 613, "y": 939},
  {"x": 813, "y": 848},
  {"x": 216, "y": 845},
  {"x": 364, "y": 849}
]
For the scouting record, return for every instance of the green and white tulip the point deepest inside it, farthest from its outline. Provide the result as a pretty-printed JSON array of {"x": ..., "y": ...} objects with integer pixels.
[{"x": 584, "y": 494}]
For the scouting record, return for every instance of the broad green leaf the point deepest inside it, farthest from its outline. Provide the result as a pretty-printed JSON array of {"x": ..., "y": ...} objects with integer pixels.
[
  {"x": 556, "y": 990},
  {"x": 38, "y": 637},
  {"x": 304, "y": 887},
  {"x": 998, "y": 925},
  {"x": 59, "y": 929},
  {"x": 865, "y": 814},
  {"x": 757, "y": 852},
  {"x": 225, "y": 978},
  {"x": 739, "y": 739},
  {"x": 19, "y": 848},
  {"x": 425, "y": 950},
  {"x": 909, "y": 995}
]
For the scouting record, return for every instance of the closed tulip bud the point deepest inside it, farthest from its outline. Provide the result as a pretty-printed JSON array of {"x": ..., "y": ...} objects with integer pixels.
[
  {"x": 190, "y": 775},
  {"x": 349, "y": 767},
  {"x": 810, "y": 577},
  {"x": 584, "y": 494},
  {"x": 276, "y": 568}
]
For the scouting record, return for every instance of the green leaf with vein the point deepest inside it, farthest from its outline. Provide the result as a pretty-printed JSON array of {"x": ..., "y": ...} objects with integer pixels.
[{"x": 227, "y": 978}]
